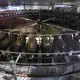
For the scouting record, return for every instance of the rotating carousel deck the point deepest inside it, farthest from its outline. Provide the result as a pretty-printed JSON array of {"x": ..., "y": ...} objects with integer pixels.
[{"x": 39, "y": 50}]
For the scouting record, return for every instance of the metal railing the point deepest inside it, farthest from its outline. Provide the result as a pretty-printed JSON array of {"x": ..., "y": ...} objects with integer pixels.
[{"x": 14, "y": 66}]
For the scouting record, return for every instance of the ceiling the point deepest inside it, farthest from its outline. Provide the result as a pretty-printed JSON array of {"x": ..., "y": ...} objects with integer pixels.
[
  {"x": 16, "y": 2},
  {"x": 40, "y": 1}
]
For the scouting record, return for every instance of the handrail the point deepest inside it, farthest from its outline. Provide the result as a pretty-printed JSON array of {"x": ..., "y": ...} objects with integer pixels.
[{"x": 56, "y": 53}]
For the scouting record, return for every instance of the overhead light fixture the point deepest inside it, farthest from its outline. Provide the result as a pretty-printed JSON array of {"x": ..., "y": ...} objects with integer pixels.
[{"x": 35, "y": 6}]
